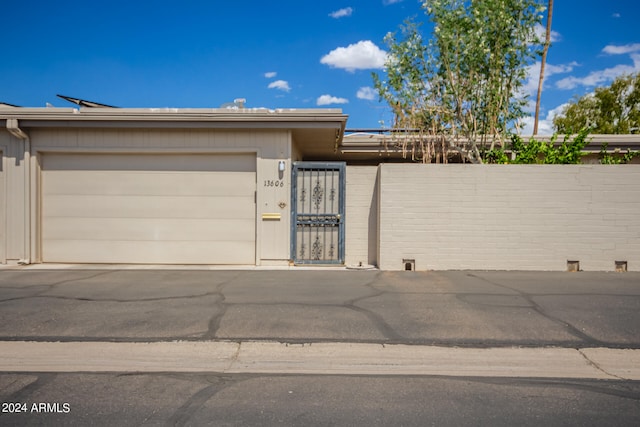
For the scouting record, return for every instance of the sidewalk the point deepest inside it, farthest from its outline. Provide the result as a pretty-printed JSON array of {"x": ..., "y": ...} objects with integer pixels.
[{"x": 319, "y": 359}]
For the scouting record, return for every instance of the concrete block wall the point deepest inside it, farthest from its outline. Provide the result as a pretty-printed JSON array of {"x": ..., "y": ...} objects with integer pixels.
[
  {"x": 361, "y": 215},
  {"x": 508, "y": 217}
]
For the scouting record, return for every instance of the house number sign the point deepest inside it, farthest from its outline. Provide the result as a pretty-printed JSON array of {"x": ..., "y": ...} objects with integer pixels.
[{"x": 274, "y": 183}]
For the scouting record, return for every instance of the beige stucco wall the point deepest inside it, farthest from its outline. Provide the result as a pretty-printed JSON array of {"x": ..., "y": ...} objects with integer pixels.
[
  {"x": 295, "y": 152},
  {"x": 274, "y": 211},
  {"x": 22, "y": 183},
  {"x": 530, "y": 217},
  {"x": 361, "y": 215},
  {"x": 14, "y": 207}
]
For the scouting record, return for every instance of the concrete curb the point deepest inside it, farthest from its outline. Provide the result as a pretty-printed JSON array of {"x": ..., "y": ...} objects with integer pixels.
[{"x": 260, "y": 357}]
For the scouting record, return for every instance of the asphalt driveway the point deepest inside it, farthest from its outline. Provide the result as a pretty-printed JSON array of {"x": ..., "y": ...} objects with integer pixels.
[{"x": 462, "y": 308}]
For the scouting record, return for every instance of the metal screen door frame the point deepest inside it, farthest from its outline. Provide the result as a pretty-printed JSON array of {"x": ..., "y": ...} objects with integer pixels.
[{"x": 317, "y": 212}]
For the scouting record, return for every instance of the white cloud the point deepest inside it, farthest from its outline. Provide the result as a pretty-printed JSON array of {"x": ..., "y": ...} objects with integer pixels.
[
  {"x": 341, "y": 13},
  {"x": 622, "y": 50},
  {"x": 551, "y": 69},
  {"x": 367, "y": 93},
  {"x": 598, "y": 77},
  {"x": 388, "y": 2},
  {"x": 545, "y": 126},
  {"x": 533, "y": 75},
  {"x": 616, "y": 15},
  {"x": 270, "y": 74},
  {"x": 359, "y": 56},
  {"x": 541, "y": 32},
  {"x": 328, "y": 100},
  {"x": 280, "y": 85}
]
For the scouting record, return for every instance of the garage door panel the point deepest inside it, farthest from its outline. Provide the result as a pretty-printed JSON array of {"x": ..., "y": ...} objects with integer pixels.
[
  {"x": 142, "y": 208},
  {"x": 145, "y": 162},
  {"x": 150, "y": 229},
  {"x": 186, "y": 207},
  {"x": 141, "y": 252},
  {"x": 148, "y": 184}
]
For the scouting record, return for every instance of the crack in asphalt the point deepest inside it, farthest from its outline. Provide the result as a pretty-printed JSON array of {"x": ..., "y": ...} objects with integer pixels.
[
  {"x": 50, "y": 286},
  {"x": 375, "y": 319},
  {"x": 216, "y": 318},
  {"x": 379, "y": 323},
  {"x": 28, "y": 390},
  {"x": 184, "y": 413},
  {"x": 571, "y": 329},
  {"x": 98, "y": 273},
  {"x": 235, "y": 356},
  {"x": 466, "y": 298},
  {"x": 596, "y": 366},
  {"x": 64, "y": 298},
  {"x": 613, "y": 388}
]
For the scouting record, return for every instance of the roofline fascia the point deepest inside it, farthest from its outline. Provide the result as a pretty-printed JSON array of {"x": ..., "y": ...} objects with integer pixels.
[
  {"x": 182, "y": 124},
  {"x": 178, "y": 119},
  {"x": 168, "y": 113}
]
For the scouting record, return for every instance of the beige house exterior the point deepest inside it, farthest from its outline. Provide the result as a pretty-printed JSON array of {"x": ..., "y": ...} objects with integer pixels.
[
  {"x": 106, "y": 185},
  {"x": 239, "y": 187}
]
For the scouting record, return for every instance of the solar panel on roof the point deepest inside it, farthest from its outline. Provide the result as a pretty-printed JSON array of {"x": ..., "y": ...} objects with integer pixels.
[{"x": 84, "y": 102}]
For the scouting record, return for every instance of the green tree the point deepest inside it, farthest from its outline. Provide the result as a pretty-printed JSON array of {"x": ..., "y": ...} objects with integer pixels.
[
  {"x": 608, "y": 110},
  {"x": 458, "y": 89}
]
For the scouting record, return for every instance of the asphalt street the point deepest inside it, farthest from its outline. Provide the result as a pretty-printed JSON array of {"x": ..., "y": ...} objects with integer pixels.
[
  {"x": 180, "y": 399},
  {"x": 189, "y": 346}
]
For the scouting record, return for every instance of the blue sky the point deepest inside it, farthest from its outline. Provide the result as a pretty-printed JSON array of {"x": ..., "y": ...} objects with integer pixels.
[{"x": 275, "y": 54}]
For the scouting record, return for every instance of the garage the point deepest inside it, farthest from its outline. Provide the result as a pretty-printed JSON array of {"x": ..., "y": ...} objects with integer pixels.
[{"x": 148, "y": 208}]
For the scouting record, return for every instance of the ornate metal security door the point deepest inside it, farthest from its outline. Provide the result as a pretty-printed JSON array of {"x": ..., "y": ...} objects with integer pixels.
[{"x": 317, "y": 235}]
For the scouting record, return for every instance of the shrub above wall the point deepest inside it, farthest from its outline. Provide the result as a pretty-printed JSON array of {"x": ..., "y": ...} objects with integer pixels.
[
  {"x": 570, "y": 150},
  {"x": 374, "y": 147}
]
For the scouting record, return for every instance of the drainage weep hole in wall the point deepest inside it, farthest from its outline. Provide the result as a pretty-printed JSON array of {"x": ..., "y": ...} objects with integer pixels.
[
  {"x": 409, "y": 264},
  {"x": 621, "y": 266},
  {"x": 573, "y": 266}
]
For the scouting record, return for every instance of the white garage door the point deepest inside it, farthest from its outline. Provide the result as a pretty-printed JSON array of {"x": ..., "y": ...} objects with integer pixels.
[{"x": 142, "y": 208}]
